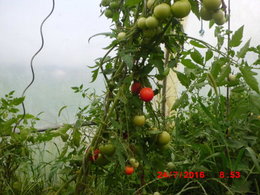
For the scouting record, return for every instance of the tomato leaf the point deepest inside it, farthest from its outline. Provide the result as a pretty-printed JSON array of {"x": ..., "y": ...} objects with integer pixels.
[
  {"x": 17, "y": 101},
  {"x": 94, "y": 75},
  {"x": 225, "y": 70},
  {"x": 107, "y": 34},
  {"x": 248, "y": 75},
  {"x": 253, "y": 157},
  {"x": 185, "y": 81},
  {"x": 172, "y": 63},
  {"x": 237, "y": 37},
  {"x": 196, "y": 57},
  {"x": 209, "y": 55},
  {"x": 216, "y": 68},
  {"x": 62, "y": 108},
  {"x": 128, "y": 59},
  {"x": 76, "y": 137},
  {"x": 188, "y": 63},
  {"x": 197, "y": 44},
  {"x": 208, "y": 113},
  {"x": 211, "y": 23},
  {"x": 243, "y": 50},
  {"x": 255, "y": 100},
  {"x": 181, "y": 102},
  {"x": 195, "y": 8}
]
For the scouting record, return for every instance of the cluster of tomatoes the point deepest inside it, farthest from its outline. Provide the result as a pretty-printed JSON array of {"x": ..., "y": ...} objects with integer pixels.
[
  {"x": 100, "y": 156},
  {"x": 210, "y": 10},
  {"x": 162, "y": 139},
  {"x": 160, "y": 13},
  {"x": 129, "y": 170},
  {"x": 146, "y": 94},
  {"x": 111, "y": 7}
]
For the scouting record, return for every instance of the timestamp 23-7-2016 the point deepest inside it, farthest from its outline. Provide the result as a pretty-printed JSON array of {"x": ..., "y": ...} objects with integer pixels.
[{"x": 199, "y": 174}]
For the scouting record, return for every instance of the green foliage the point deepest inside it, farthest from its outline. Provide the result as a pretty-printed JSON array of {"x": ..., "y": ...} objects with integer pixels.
[
  {"x": 236, "y": 39},
  {"x": 211, "y": 133}
]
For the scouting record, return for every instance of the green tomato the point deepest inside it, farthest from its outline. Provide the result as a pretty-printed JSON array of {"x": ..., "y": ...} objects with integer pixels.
[
  {"x": 139, "y": 120},
  {"x": 105, "y": 3},
  {"x": 141, "y": 23},
  {"x": 121, "y": 36},
  {"x": 134, "y": 163},
  {"x": 162, "y": 11},
  {"x": 211, "y": 4},
  {"x": 205, "y": 14},
  {"x": 107, "y": 149},
  {"x": 17, "y": 185},
  {"x": 109, "y": 13},
  {"x": 114, "y": 5},
  {"x": 164, "y": 138},
  {"x": 150, "y": 3},
  {"x": 156, "y": 193},
  {"x": 181, "y": 9},
  {"x": 232, "y": 77},
  {"x": 228, "y": 193},
  {"x": 164, "y": 147},
  {"x": 151, "y": 22},
  {"x": 219, "y": 17},
  {"x": 170, "y": 165}
]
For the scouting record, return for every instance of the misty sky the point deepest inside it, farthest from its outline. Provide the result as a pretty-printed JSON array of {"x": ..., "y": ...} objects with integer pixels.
[
  {"x": 66, "y": 32},
  {"x": 67, "y": 53}
]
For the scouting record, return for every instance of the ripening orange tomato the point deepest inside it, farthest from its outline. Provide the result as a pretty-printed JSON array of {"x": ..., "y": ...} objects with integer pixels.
[{"x": 129, "y": 170}]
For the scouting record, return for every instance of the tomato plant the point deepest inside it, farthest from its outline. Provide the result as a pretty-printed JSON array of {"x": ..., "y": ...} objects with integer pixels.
[
  {"x": 127, "y": 132},
  {"x": 142, "y": 65}
]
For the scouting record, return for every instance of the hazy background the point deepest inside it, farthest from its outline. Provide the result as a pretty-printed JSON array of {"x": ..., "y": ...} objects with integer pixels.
[{"x": 64, "y": 59}]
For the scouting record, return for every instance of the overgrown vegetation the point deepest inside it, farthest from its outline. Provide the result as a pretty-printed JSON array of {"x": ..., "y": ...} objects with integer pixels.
[{"x": 209, "y": 145}]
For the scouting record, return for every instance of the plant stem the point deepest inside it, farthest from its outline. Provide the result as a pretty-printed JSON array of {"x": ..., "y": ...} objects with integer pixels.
[
  {"x": 165, "y": 86},
  {"x": 83, "y": 174},
  {"x": 228, "y": 56}
]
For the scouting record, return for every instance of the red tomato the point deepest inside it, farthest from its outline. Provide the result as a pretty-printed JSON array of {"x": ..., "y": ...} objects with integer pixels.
[
  {"x": 129, "y": 170},
  {"x": 136, "y": 87},
  {"x": 146, "y": 94},
  {"x": 95, "y": 155}
]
